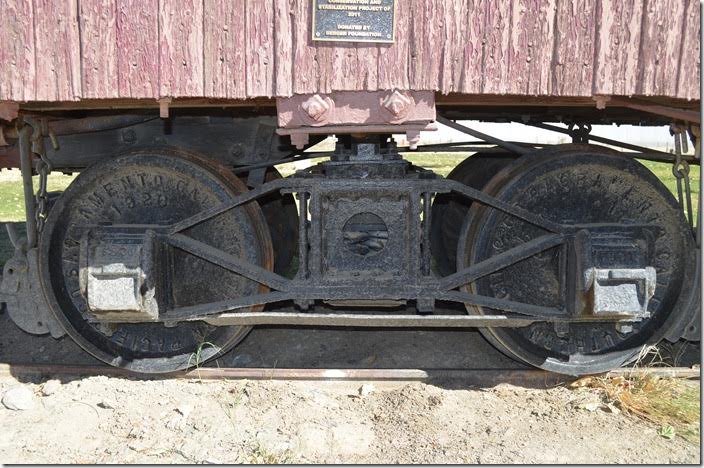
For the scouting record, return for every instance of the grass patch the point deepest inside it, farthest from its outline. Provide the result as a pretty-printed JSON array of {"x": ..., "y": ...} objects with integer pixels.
[
  {"x": 260, "y": 455},
  {"x": 671, "y": 404},
  {"x": 11, "y": 195}
]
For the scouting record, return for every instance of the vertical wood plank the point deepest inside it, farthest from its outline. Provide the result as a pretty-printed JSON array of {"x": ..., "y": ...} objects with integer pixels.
[
  {"x": 393, "y": 58},
  {"x": 58, "y": 61},
  {"x": 305, "y": 62},
  {"x": 574, "y": 52},
  {"x": 17, "y": 54},
  {"x": 98, "y": 48},
  {"x": 689, "y": 71},
  {"x": 343, "y": 71},
  {"x": 259, "y": 47},
  {"x": 367, "y": 63},
  {"x": 283, "y": 34},
  {"x": 181, "y": 48},
  {"x": 497, "y": 42},
  {"x": 660, "y": 47},
  {"x": 138, "y": 48},
  {"x": 223, "y": 49},
  {"x": 472, "y": 44},
  {"x": 426, "y": 57},
  {"x": 617, "y": 46},
  {"x": 530, "y": 48},
  {"x": 454, "y": 32}
]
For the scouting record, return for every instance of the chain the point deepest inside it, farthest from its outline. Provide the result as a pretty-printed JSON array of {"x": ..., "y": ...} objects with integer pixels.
[
  {"x": 680, "y": 169},
  {"x": 43, "y": 168}
]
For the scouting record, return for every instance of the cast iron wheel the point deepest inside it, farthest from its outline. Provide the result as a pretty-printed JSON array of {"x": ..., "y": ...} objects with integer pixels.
[
  {"x": 154, "y": 187},
  {"x": 570, "y": 188},
  {"x": 449, "y": 210}
]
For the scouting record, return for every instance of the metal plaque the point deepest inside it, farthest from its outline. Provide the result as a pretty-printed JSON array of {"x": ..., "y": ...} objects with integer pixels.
[{"x": 354, "y": 20}]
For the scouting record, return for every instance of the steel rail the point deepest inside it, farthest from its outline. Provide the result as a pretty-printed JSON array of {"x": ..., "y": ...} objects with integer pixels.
[{"x": 467, "y": 377}]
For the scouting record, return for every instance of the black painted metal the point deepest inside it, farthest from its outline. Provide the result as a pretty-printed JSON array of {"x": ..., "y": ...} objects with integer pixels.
[
  {"x": 122, "y": 194},
  {"x": 621, "y": 217}
]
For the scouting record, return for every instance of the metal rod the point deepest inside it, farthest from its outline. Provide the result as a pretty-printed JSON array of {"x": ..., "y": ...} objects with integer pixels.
[
  {"x": 647, "y": 153},
  {"x": 228, "y": 261},
  {"x": 481, "y": 197},
  {"x": 484, "y": 145},
  {"x": 534, "y": 311},
  {"x": 368, "y": 320},
  {"x": 199, "y": 311},
  {"x": 241, "y": 199},
  {"x": 483, "y": 136},
  {"x": 26, "y": 169},
  {"x": 500, "y": 261}
]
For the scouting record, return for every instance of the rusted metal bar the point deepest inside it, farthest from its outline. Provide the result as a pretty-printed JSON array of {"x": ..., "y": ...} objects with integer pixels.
[
  {"x": 469, "y": 377},
  {"x": 483, "y": 136}
]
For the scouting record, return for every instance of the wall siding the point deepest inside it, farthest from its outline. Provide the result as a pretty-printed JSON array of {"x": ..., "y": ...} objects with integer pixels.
[{"x": 238, "y": 49}]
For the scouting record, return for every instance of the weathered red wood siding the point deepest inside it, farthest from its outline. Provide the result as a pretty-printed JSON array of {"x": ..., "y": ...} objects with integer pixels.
[{"x": 237, "y": 49}]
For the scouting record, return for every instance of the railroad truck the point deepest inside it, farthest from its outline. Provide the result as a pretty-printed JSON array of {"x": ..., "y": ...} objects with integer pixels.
[{"x": 179, "y": 234}]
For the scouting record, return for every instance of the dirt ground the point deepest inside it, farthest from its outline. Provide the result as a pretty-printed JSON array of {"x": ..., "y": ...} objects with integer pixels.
[
  {"x": 114, "y": 420},
  {"x": 111, "y": 420}
]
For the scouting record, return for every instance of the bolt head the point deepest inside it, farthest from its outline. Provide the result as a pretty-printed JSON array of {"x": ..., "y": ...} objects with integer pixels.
[
  {"x": 316, "y": 108},
  {"x": 398, "y": 104}
]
